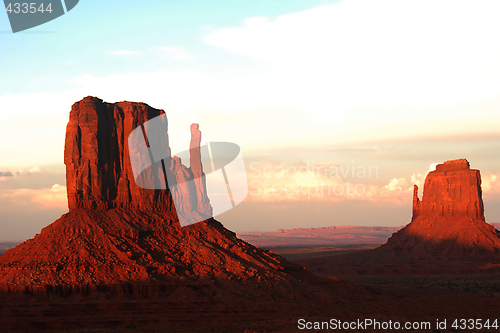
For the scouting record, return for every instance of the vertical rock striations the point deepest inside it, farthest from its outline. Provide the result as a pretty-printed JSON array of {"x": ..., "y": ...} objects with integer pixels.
[
  {"x": 452, "y": 190},
  {"x": 99, "y": 173}
]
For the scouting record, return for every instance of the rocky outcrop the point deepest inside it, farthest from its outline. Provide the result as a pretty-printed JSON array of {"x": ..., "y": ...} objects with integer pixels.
[
  {"x": 99, "y": 173},
  {"x": 452, "y": 190}
]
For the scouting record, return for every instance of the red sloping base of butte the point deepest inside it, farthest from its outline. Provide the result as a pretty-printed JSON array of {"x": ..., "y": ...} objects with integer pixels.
[{"x": 132, "y": 246}]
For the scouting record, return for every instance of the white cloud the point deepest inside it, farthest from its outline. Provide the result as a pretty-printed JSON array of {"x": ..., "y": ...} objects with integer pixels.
[
  {"x": 432, "y": 167},
  {"x": 378, "y": 37},
  {"x": 490, "y": 183},
  {"x": 124, "y": 52},
  {"x": 388, "y": 53},
  {"x": 418, "y": 179},
  {"x": 276, "y": 183},
  {"x": 396, "y": 184},
  {"x": 176, "y": 53},
  {"x": 269, "y": 182},
  {"x": 54, "y": 197},
  {"x": 46, "y": 198},
  {"x": 36, "y": 169},
  {"x": 397, "y": 191}
]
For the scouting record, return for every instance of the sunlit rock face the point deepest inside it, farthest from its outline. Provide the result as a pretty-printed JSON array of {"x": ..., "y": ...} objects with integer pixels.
[
  {"x": 452, "y": 190},
  {"x": 449, "y": 220}
]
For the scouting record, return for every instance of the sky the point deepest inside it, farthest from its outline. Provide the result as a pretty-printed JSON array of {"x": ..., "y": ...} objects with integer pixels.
[{"x": 339, "y": 107}]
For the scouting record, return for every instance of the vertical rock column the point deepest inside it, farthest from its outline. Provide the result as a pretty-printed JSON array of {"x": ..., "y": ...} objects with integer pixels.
[
  {"x": 203, "y": 203},
  {"x": 416, "y": 201}
]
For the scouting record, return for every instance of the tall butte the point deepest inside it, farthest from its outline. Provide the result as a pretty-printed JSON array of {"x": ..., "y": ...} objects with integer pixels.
[{"x": 116, "y": 231}]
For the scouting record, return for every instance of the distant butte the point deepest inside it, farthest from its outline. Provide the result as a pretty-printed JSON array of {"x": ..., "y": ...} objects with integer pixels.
[
  {"x": 449, "y": 221},
  {"x": 447, "y": 234}
]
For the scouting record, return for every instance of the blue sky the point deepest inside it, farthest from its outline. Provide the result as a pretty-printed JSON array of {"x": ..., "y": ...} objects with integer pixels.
[
  {"x": 400, "y": 85},
  {"x": 81, "y": 40}
]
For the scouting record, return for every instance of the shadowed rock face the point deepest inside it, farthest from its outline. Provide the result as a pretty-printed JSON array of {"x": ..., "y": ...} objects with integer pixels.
[{"x": 98, "y": 170}]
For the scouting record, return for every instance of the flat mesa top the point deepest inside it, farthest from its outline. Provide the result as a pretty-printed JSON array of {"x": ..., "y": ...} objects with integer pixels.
[{"x": 453, "y": 165}]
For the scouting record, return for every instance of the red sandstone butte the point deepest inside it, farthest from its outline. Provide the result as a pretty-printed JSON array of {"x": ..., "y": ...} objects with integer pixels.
[
  {"x": 117, "y": 232},
  {"x": 447, "y": 234},
  {"x": 452, "y": 190},
  {"x": 449, "y": 220},
  {"x": 99, "y": 174}
]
